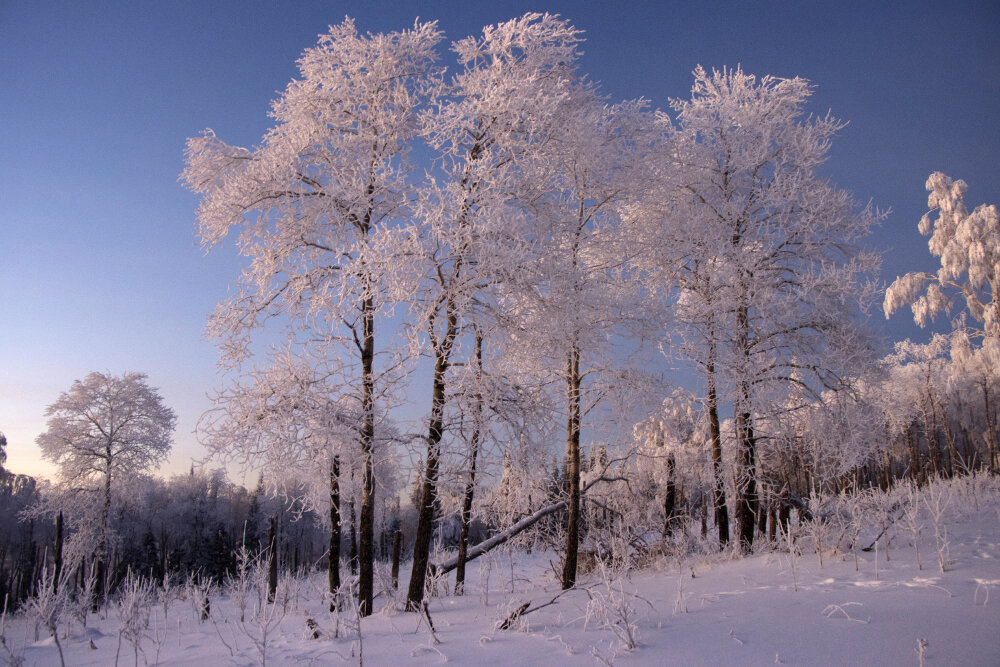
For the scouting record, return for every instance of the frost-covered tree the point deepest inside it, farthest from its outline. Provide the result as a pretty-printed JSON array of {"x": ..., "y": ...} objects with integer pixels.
[
  {"x": 672, "y": 449},
  {"x": 293, "y": 420},
  {"x": 103, "y": 433},
  {"x": 975, "y": 381},
  {"x": 487, "y": 127},
  {"x": 773, "y": 241},
  {"x": 968, "y": 245},
  {"x": 565, "y": 308},
  {"x": 315, "y": 205}
]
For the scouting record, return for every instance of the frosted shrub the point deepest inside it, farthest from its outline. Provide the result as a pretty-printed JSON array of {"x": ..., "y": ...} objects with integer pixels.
[
  {"x": 135, "y": 597},
  {"x": 197, "y": 591},
  {"x": 859, "y": 505},
  {"x": 611, "y": 608},
  {"x": 264, "y": 617},
  {"x": 817, "y": 527},
  {"x": 239, "y": 584},
  {"x": 883, "y": 507},
  {"x": 78, "y": 606},
  {"x": 793, "y": 552},
  {"x": 938, "y": 499},
  {"x": 47, "y": 607},
  {"x": 165, "y": 594},
  {"x": 911, "y": 519},
  {"x": 13, "y": 659}
]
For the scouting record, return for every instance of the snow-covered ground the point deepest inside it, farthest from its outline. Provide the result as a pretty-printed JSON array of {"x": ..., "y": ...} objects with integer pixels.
[{"x": 766, "y": 609}]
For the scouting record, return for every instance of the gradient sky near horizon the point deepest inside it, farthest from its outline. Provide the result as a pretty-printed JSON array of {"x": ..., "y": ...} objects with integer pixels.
[{"x": 100, "y": 268}]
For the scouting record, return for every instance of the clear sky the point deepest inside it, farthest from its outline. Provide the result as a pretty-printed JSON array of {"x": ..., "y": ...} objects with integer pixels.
[{"x": 99, "y": 265}]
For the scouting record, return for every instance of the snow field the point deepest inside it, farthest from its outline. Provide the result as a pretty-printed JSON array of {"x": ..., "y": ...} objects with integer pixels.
[{"x": 774, "y": 607}]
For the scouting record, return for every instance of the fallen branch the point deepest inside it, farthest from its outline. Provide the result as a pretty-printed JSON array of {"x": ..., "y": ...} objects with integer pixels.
[
  {"x": 526, "y": 609},
  {"x": 888, "y": 525},
  {"x": 500, "y": 538}
]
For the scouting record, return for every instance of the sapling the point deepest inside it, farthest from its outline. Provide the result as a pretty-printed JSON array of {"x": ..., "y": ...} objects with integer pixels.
[
  {"x": 792, "y": 552},
  {"x": 938, "y": 500},
  {"x": 265, "y": 617},
  {"x": 680, "y": 604},
  {"x": 856, "y": 504},
  {"x": 197, "y": 591},
  {"x": 817, "y": 526},
  {"x": 911, "y": 519},
  {"x": 239, "y": 583},
  {"x": 165, "y": 593},
  {"x": 135, "y": 596},
  {"x": 79, "y": 605},
  {"x": 47, "y": 607},
  {"x": 611, "y": 608},
  {"x": 485, "y": 570},
  {"x": 13, "y": 659},
  {"x": 886, "y": 507}
]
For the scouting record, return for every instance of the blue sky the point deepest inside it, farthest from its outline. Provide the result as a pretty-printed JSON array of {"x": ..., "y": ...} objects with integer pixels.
[{"x": 99, "y": 265}]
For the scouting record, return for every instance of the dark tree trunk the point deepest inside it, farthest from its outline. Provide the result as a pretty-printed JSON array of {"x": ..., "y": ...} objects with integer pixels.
[
  {"x": 272, "y": 566},
  {"x": 916, "y": 464},
  {"x": 397, "y": 544},
  {"x": 102, "y": 542},
  {"x": 572, "y": 469},
  {"x": 719, "y": 482},
  {"x": 670, "y": 501},
  {"x": 747, "y": 508},
  {"x": 470, "y": 484},
  {"x": 746, "y": 458},
  {"x": 333, "y": 569},
  {"x": 366, "y": 555},
  {"x": 762, "y": 509},
  {"x": 352, "y": 556},
  {"x": 991, "y": 435},
  {"x": 435, "y": 431},
  {"x": 58, "y": 553}
]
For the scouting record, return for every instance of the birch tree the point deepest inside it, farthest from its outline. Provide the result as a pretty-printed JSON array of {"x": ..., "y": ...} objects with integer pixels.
[
  {"x": 314, "y": 205},
  {"x": 776, "y": 244},
  {"x": 568, "y": 306},
  {"x": 103, "y": 433},
  {"x": 486, "y": 127}
]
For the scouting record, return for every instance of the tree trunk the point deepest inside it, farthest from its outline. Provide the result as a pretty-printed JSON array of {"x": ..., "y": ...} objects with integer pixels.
[
  {"x": 58, "y": 553},
  {"x": 272, "y": 566},
  {"x": 333, "y": 569},
  {"x": 572, "y": 469},
  {"x": 352, "y": 557},
  {"x": 719, "y": 485},
  {"x": 670, "y": 501},
  {"x": 366, "y": 580},
  {"x": 470, "y": 484},
  {"x": 991, "y": 436},
  {"x": 747, "y": 459},
  {"x": 428, "y": 496},
  {"x": 916, "y": 465},
  {"x": 102, "y": 541},
  {"x": 397, "y": 543}
]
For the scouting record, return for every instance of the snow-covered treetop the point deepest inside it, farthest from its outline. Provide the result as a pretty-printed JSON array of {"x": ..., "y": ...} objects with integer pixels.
[
  {"x": 107, "y": 426},
  {"x": 969, "y": 247}
]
